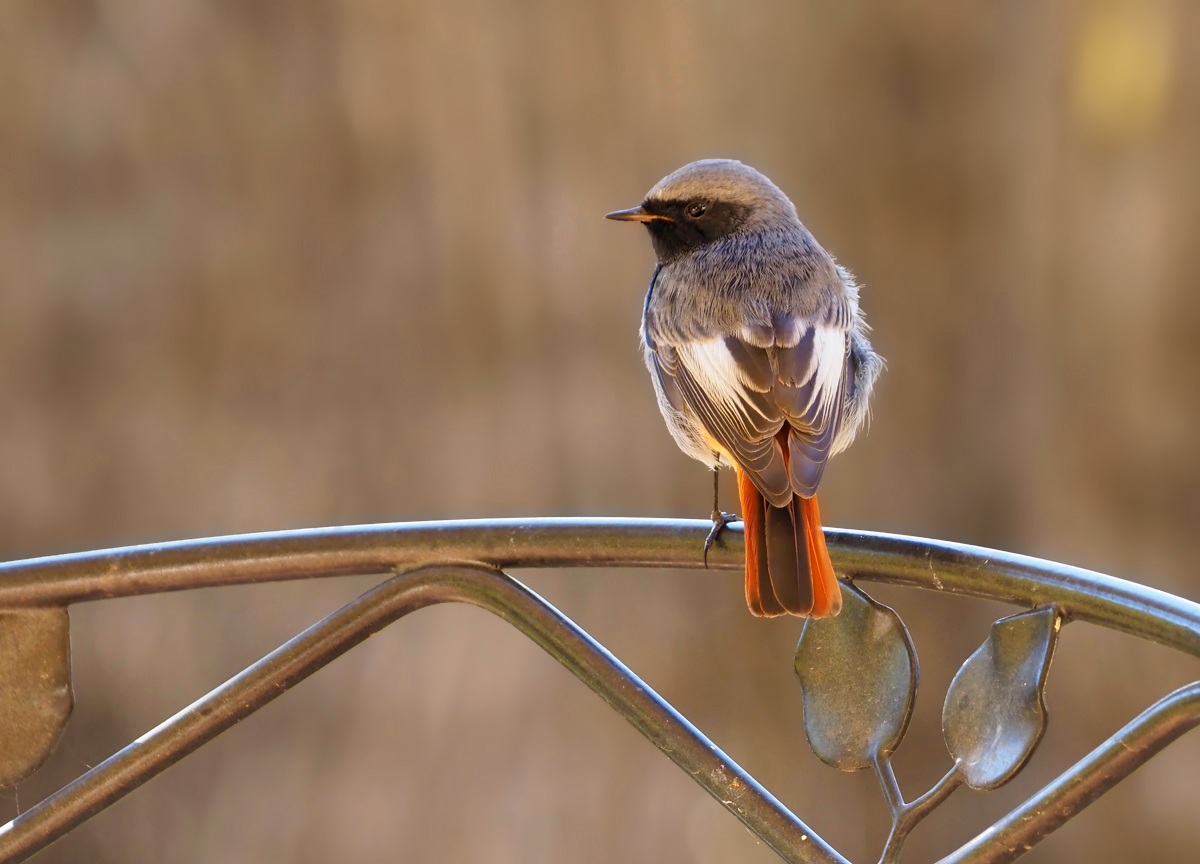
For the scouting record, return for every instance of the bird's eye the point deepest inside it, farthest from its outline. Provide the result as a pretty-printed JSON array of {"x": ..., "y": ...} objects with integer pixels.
[{"x": 696, "y": 209}]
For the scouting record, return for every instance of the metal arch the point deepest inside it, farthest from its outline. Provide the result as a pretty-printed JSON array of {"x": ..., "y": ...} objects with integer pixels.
[
  {"x": 956, "y": 568},
  {"x": 485, "y": 546}
]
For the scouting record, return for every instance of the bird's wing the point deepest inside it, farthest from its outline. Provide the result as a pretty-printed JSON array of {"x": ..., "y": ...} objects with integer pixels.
[
  {"x": 731, "y": 396},
  {"x": 744, "y": 394},
  {"x": 810, "y": 390}
]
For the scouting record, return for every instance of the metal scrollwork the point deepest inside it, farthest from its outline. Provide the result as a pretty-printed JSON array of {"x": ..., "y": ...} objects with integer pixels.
[{"x": 858, "y": 672}]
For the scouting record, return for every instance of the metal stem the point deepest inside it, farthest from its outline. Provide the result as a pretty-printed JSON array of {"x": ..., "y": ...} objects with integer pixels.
[
  {"x": 923, "y": 806},
  {"x": 887, "y": 782},
  {"x": 489, "y": 589},
  {"x": 905, "y": 816}
]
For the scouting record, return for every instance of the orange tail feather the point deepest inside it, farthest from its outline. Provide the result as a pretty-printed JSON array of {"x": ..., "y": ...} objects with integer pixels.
[
  {"x": 760, "y": 596},
  {"x": 827, "y": 593}
]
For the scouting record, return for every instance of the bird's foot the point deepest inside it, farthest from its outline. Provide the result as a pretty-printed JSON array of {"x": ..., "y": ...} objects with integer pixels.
[{"x": 719, "y": 521}]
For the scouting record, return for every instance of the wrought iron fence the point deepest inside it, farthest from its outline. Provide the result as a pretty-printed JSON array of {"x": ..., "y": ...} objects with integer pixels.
[{"x": 857, "y": 671}]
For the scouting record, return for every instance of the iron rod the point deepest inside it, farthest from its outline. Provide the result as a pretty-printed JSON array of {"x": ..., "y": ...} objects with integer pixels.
[
  {"x": 300, "y": 657},
  {"x": 510, "y": 543}
]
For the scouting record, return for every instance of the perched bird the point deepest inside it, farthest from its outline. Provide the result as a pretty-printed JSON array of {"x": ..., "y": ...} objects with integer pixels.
[{"x": 760, "y": 361}]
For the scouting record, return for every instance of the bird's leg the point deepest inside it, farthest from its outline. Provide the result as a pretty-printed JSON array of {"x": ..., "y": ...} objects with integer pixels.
[{"x": 719, "y": 519}]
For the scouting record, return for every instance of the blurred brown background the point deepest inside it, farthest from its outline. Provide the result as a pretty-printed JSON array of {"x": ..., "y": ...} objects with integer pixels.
[{"x": 280, "y": 264}]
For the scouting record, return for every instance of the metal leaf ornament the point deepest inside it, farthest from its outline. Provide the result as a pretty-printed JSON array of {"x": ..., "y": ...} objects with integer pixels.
[
  {"x": 35, "y": 687},
  {"x": 858, "y": 674},
  {"x": 995, "y": 711}
]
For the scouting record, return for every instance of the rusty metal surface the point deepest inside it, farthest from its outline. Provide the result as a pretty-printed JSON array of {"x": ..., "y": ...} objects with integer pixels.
[{"x": 35, "y": 688}]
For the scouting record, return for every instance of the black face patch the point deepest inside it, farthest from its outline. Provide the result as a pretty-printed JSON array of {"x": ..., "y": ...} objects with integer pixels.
[{"x": 688, "y": 231}]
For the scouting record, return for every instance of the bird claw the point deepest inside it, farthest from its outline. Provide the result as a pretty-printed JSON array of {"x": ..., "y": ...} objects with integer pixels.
[{"x": 719, "y": 521}]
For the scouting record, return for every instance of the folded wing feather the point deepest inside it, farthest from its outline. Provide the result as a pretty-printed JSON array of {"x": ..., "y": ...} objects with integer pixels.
[{"x": 744, "y": 394}]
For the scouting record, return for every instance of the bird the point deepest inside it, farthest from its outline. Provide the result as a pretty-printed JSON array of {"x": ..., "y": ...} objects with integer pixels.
[{"x": 760, "y": 361}]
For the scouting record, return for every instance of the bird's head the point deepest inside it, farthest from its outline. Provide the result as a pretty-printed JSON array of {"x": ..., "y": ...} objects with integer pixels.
[{"x": 706, "y": 201}]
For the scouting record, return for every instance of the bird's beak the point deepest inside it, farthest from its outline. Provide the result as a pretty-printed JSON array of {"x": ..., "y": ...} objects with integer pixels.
[{"x": 637, "y": 214}]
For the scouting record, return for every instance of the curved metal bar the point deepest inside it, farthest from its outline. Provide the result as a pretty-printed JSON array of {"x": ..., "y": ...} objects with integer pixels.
[
  {"x": 953, "y": 567},
  {"x": 300, "y": 657},
  {"x": 1087, "y": 780},
  {"x": 975, "y": 571},
  {"x": 360, "y": 550}
]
